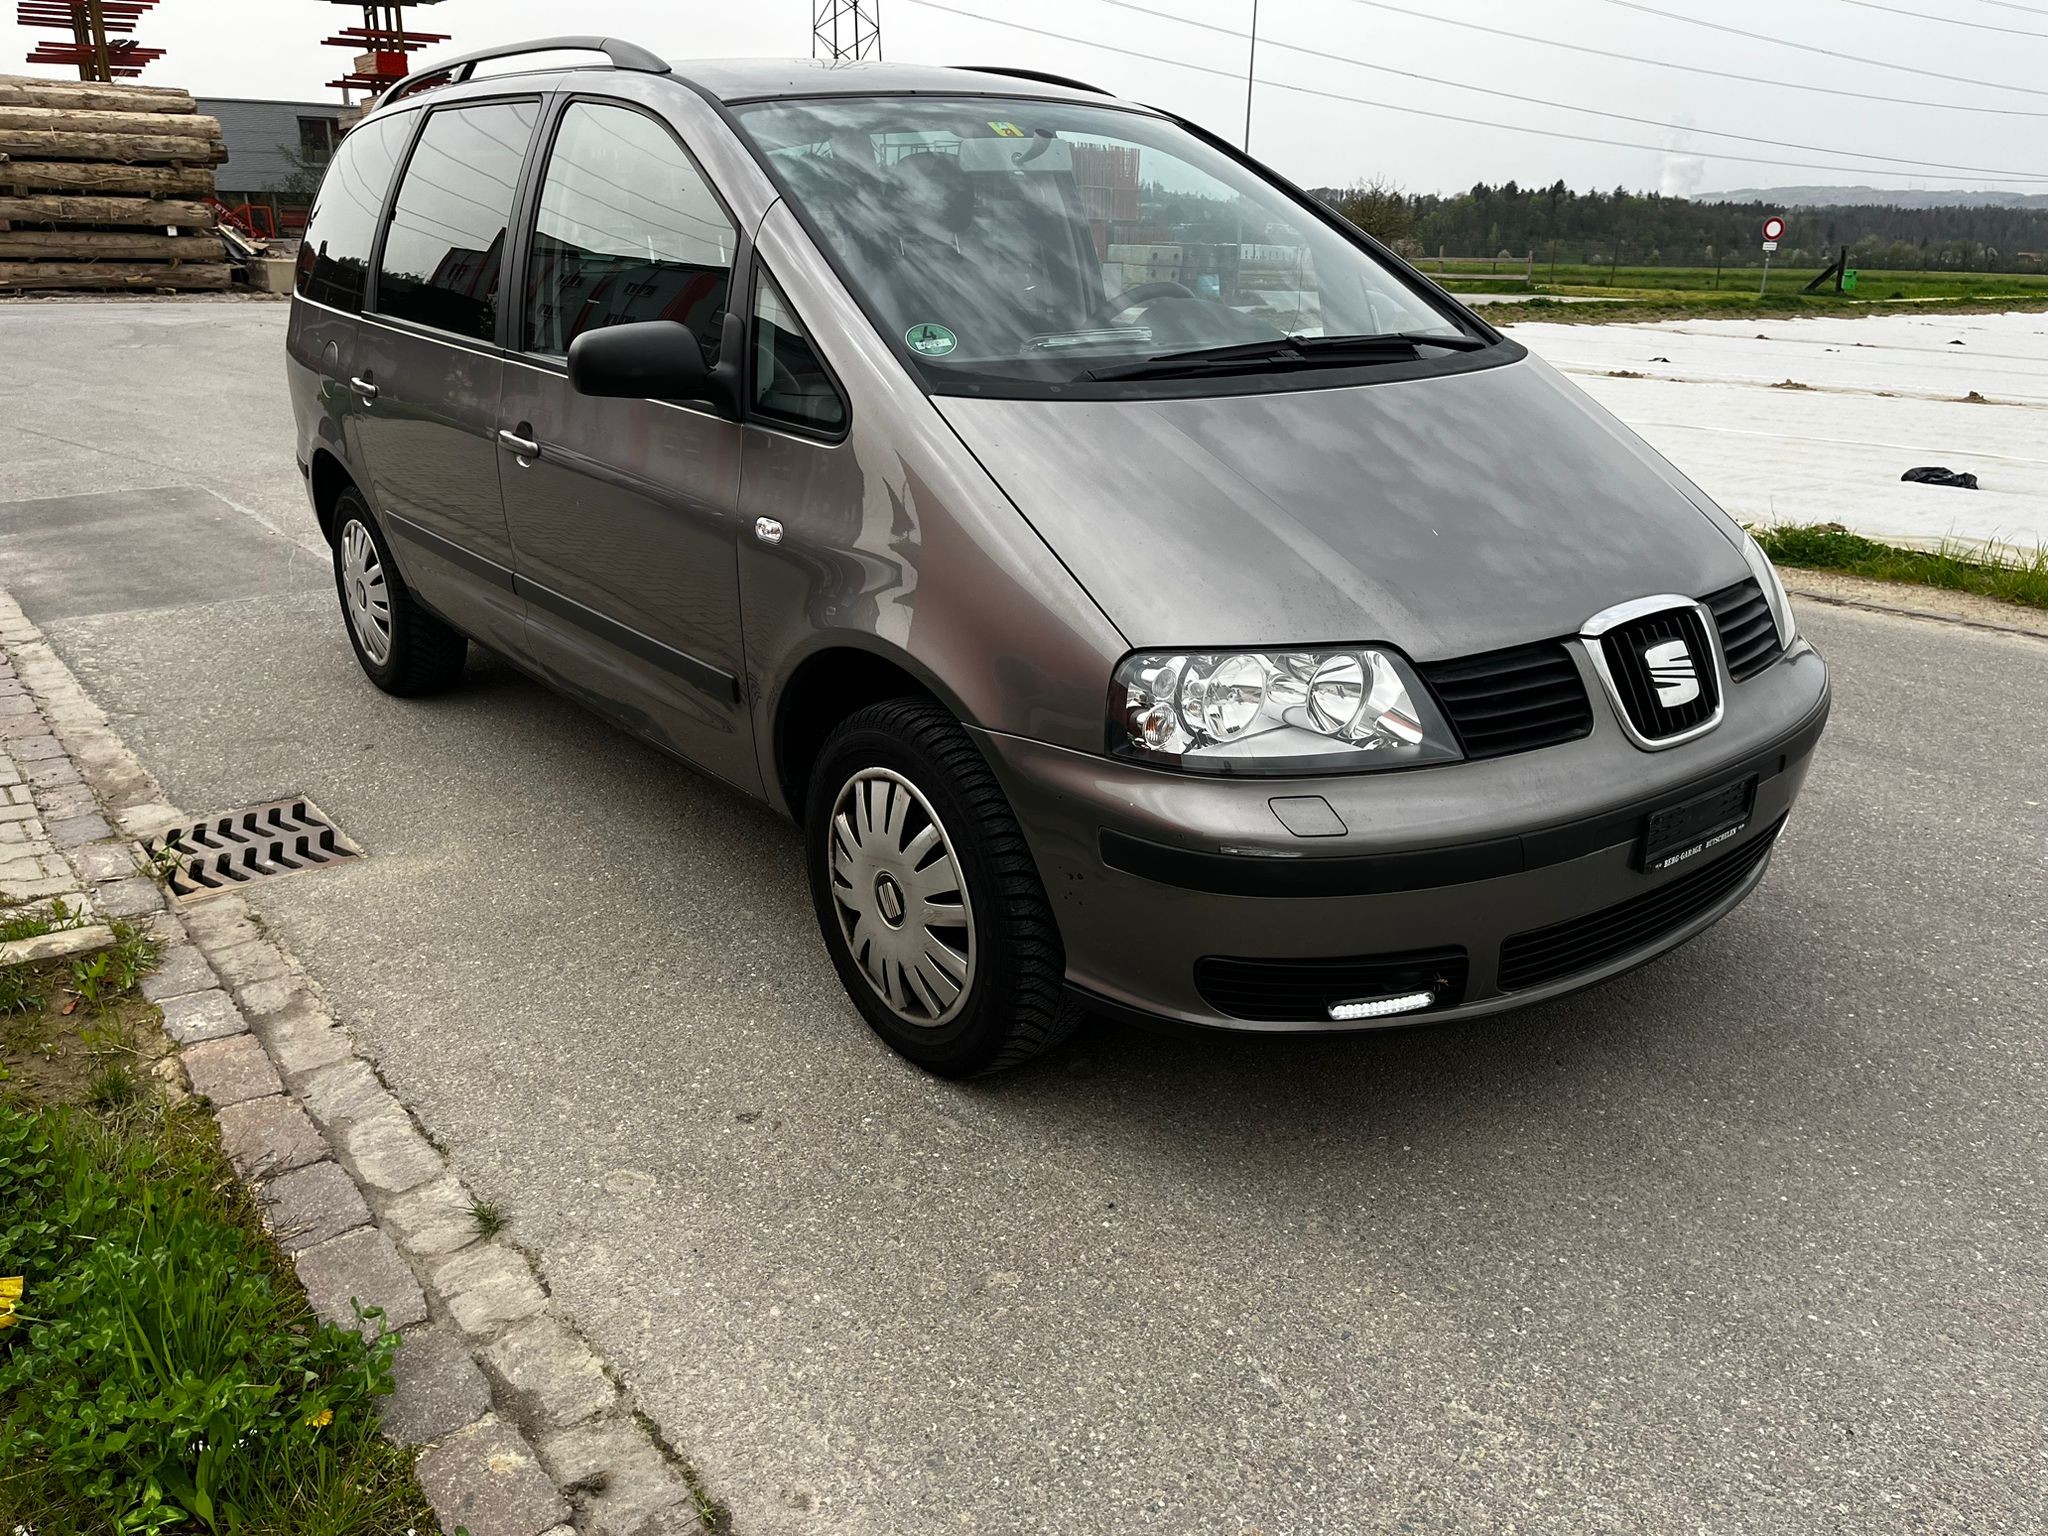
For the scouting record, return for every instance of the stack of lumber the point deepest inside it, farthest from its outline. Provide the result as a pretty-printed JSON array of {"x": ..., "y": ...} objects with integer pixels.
[{"x": 106, "y": 187}]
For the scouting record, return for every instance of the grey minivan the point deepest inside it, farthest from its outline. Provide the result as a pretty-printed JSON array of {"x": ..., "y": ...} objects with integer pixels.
[{"x": 1147, "y": 592}]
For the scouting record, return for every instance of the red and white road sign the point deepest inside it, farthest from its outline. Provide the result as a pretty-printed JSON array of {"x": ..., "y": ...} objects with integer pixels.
[{"x": 1774, "y": 229}]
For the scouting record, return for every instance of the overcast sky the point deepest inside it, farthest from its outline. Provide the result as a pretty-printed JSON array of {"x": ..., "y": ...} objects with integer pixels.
[{"x": 271, "y": 48}]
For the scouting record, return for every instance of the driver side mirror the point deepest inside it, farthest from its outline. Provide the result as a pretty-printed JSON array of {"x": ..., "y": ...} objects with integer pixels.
[{"x": 647, "y": 360}]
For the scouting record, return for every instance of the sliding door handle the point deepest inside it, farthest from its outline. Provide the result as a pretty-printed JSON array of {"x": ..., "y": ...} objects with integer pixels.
[{"x": 524, "y": 447}]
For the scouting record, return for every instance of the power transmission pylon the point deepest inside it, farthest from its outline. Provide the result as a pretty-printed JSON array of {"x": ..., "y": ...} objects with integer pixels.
[{"x": 846, "y": 29}]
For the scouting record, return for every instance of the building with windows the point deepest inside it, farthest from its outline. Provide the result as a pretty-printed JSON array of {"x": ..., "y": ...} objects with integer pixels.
[{"x": 277, "y": 152}]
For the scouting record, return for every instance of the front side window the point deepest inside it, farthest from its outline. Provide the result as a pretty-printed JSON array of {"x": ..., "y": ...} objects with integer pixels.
[
  {"x": 334, "y": 258},
  {"x": 628, "y": 230},
  {"x": 790, "y": 383},
  {"x": 1055, "y": 242},
  {"x": 445, "y": 251}
]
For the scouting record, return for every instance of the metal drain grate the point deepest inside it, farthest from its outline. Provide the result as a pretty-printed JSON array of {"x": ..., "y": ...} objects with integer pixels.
[{"x": 231, "y": 852}]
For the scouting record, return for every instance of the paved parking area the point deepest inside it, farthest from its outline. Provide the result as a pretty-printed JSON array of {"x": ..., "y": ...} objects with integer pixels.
[{"x": 1749, "y": 1241}]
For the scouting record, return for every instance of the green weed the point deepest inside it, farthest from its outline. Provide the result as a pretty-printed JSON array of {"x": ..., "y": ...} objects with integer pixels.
[
  {"x": 166, "y": 1373},
  {"x": 2019, "y": 577}
]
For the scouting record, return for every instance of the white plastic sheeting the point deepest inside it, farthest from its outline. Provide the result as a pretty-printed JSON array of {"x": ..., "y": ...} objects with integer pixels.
[{"x": 1880, "y": 396}]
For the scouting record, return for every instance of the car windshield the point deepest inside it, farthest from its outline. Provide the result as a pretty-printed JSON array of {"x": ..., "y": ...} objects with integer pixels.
[{"x": 1053, "y": 241}]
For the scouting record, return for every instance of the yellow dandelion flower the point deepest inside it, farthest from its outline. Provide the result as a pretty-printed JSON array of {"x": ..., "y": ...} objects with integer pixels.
[
  {"x": 10, "y": 1293},
  {"x": 322, "y": 1419}
]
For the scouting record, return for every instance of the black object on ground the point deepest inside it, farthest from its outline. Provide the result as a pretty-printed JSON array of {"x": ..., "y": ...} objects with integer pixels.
[{"x": 1940, "y": 476}]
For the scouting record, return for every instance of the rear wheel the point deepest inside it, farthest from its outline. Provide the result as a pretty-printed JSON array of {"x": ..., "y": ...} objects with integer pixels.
[
  {"x": 403, "y": 648},
  {"x": 927, "y": 896}
]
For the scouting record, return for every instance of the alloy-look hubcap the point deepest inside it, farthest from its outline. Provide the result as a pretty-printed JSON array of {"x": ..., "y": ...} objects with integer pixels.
[
  {"x": 902, "y": 905},
  {"x": 364, "y": 592}
]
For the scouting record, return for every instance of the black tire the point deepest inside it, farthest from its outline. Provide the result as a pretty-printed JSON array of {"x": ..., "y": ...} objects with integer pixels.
[
  {"x": 424, "y": 654},
  {"x": 1015, "y": 1005}
]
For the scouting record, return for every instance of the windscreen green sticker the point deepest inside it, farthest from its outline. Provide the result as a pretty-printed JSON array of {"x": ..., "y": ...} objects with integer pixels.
[
  {"x": 930, "y": 340},
  {"x": 1007, "y": 130}
]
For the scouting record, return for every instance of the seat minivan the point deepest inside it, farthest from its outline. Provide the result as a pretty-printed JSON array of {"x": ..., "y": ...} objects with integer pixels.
[{"x": 1147, "y": 592}]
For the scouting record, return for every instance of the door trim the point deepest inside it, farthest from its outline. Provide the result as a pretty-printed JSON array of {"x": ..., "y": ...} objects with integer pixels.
[
  {"x": 479, "y": 566},
  {"x": 714, "y": 682}
]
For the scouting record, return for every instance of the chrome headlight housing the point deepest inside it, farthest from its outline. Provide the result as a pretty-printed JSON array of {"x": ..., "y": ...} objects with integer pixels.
[
  {"x": 1766, "y": 576},
  {"x": 1276, "y": 712}
]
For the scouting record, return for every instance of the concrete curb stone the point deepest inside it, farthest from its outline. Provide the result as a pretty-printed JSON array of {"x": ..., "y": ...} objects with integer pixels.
[
  {"x": 486, "y": 1477},
  {"x": 362, "y": 1269},
  {"x": 486, "y": 1286},
  {"x": 437, "y": 1387},
  {"x": 550, "y": 1375},
  {"x": 230, "y": 1070},
  {"x": 266, "y": 1137},
  {"x": 197, "y": 1016},
  {"x": 180, "y": 970},
  {"x": 375, "y": 1216},
  {"x": 311, "y": 1204}
]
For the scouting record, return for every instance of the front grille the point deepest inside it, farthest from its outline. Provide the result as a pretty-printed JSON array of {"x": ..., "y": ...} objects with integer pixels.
[
  {"x": 1545, "y": 954},
  {"x": 1294, "y": 991},
  {"x": 1749, "y": 634},
  {"x": 1512, "y": 701},
  {"x": 1643, "y": 663}
]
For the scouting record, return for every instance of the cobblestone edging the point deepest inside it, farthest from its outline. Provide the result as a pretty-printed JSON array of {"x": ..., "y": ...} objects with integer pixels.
[{"x": 521, "y": 1430}]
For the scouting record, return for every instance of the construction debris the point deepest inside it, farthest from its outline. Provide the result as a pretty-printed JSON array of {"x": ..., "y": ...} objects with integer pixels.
[{"x": 107, "y": 187}]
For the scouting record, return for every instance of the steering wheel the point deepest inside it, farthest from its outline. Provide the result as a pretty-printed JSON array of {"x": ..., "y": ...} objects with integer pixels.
[{"x": 1140, "y": 294}]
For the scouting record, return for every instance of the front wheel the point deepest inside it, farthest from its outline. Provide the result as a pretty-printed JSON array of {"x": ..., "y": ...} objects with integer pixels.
[{"x": 927, "y": 896}]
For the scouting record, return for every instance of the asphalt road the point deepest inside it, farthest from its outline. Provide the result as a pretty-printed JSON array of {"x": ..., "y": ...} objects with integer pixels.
[{"x": 1750, "y": 1241}]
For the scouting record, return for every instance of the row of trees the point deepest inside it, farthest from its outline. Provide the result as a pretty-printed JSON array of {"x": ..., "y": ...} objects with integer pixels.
[{"x": 1646, "y": 228}]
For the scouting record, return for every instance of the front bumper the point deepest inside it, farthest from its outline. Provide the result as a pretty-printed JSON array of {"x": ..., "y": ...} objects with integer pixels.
[{"x": 1151, "y": 872}]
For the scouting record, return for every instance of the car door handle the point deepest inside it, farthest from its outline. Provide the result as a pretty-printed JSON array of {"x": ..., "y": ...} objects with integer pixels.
[
  {"x": 364, "y": 388},
  {"x": 524, "y": 447}
]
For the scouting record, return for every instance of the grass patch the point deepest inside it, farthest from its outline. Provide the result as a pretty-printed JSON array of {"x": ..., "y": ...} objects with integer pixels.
[
  {"x": 489, "y": 1219},
  {"x": 162, "y": 1371},
  {"x": 2022, "y": 579}
]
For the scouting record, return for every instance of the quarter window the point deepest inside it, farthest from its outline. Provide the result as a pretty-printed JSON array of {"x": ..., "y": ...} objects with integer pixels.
[
  {"x": 790, "y": 381},
  {"x": 628, "y": 230},
  {"x": 445, "y": 251},
  {"x": 334, "y": 258}
]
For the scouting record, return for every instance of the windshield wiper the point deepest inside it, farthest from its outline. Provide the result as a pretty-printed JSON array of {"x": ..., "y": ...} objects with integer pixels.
[{"x": 1287, "y": 352}]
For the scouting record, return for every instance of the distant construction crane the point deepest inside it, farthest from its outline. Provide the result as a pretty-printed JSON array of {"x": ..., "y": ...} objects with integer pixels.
[
  {"x": 381, "y": 45},
  {"x": 846, "y": 29},
  {"x": 100, "y": 46}
]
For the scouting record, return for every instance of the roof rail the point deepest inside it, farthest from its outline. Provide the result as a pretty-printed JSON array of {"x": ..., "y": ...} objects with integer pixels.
[
  {"x": 624, "y": 55},
  {"x": 1033, "y": 74}
]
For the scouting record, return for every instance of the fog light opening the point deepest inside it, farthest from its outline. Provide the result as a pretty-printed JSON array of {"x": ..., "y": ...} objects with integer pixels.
[{"x": 1380, "y": 1007}]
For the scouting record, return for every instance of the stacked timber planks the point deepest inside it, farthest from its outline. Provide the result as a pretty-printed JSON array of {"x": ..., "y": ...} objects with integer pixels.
[{"x": 106, "y": 187}]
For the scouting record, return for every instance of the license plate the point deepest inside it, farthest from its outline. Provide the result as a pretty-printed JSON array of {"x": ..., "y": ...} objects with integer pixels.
[{"x": 1681, "y": 833}]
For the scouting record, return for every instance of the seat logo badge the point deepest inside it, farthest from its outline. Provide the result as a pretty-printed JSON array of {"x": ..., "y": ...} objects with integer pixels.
[{"x": 1672, "y": 670}]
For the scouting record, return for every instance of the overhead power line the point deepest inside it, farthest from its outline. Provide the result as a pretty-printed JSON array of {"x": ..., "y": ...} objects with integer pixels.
[
  {"x": 2008, "y": 5},
  {"x": 1826, "y": 53},
  {"x": 1953, "y": 21},
  {"x": 1699, "y": 69},
  {"x": 1445, "y": 117},
  {"x": 1564, "y": 106}
]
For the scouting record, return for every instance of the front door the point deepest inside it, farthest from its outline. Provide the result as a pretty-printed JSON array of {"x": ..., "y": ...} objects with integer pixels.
[
  {"x": 623, "y": 512},
  {"x": 431, "y": 371}
]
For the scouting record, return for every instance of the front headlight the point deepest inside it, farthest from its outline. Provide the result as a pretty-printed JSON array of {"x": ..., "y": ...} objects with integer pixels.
[
  {"x": 1766, "y": 576},
  {"x": 1275, "y": 712}
]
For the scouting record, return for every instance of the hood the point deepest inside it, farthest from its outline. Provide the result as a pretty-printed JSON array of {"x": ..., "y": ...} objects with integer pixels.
[{"x": 1445, "y": 516}]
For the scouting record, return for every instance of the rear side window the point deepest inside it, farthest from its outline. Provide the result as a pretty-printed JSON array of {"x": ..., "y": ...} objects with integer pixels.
[
  {"x": 790, "y": 381},
  {"x": 335, "y": 258},
  {"x": 445, "y": 251},
  {"x": 628, "y": 230}
]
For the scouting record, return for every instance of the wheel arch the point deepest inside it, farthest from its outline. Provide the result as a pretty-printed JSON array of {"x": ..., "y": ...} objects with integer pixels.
[
  {"x": 827, "y": 685},
  {"x": 329, "y": 477}
]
